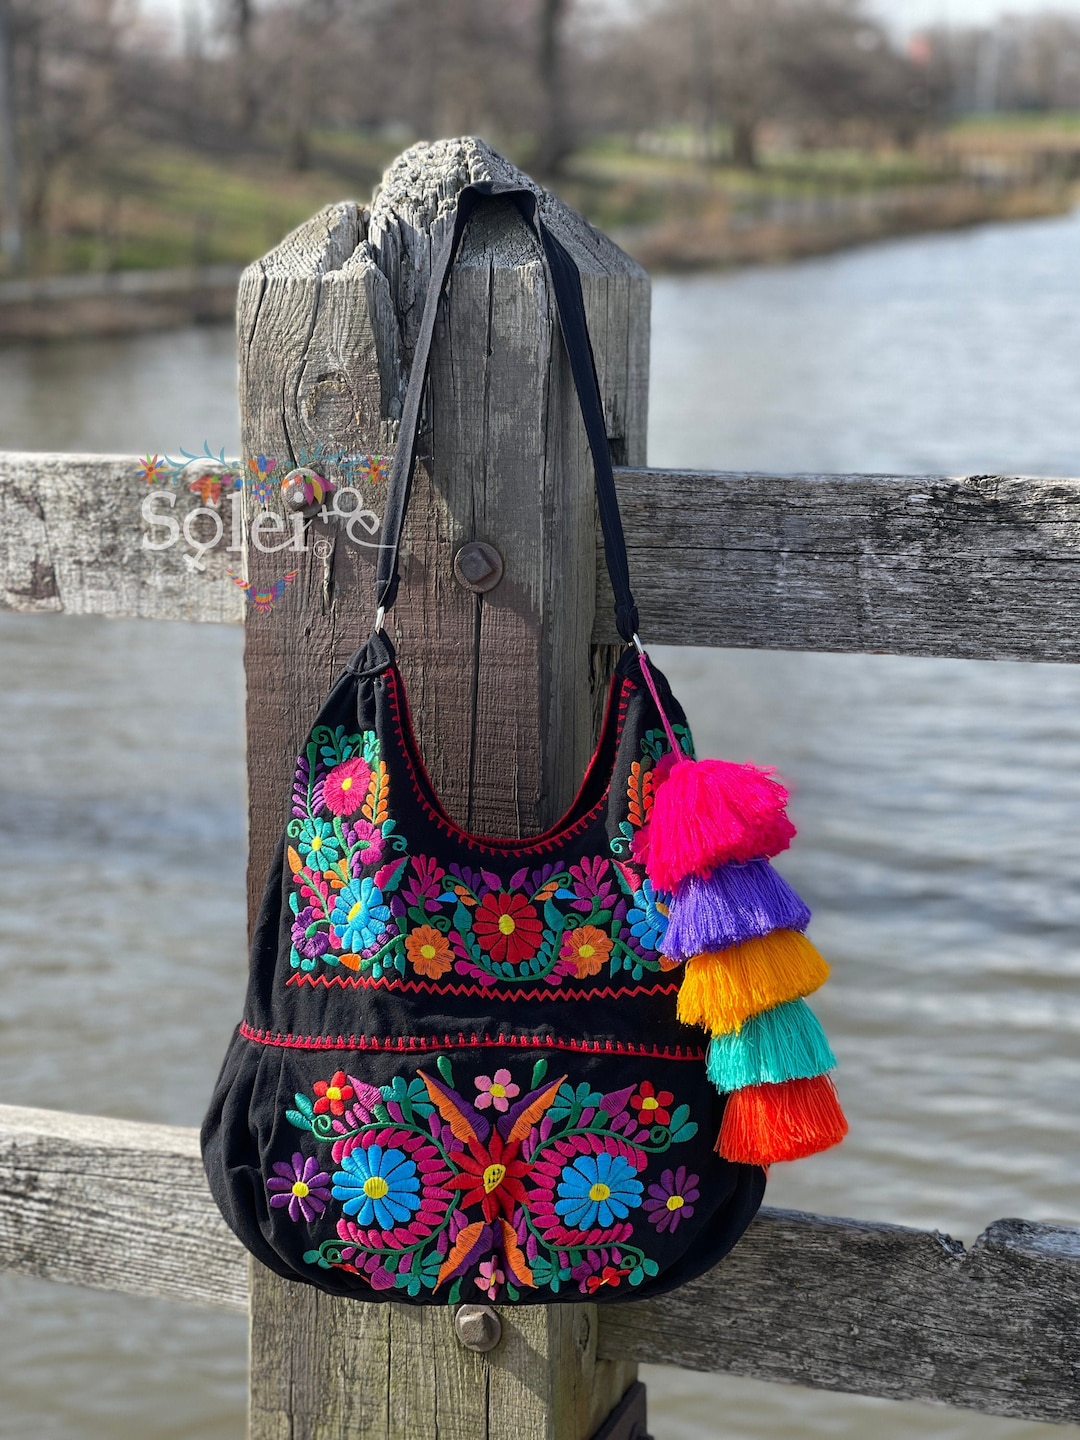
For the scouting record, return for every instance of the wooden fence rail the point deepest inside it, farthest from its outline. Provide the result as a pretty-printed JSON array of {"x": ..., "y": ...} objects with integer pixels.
[
  {"x": 812, "y": 1300},
  {"x": 986, "y": 566}
]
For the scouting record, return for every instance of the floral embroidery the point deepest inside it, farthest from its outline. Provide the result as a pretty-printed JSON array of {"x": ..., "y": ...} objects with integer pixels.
[
  {"x": 539, "y": 1186},
  {"x": 362, "y": 902},
  {"x": 300, "y": 1185},
  {"x": 429, "y": 951},
  {"x": 672, "y": 1201},
  {"x": 498, "y": 1091},
  {"x": 651, "y": 1107}
]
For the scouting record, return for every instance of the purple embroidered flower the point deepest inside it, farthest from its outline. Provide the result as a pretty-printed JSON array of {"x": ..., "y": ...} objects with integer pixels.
[
  {"x": 310, "y": 940},
  {"x": 368, "y": 842},
  {"x": 300, "y": 1185},
  {"x": 672, "y": 1201},
  {"x": 425, "y": 883},
  {"x": 592, "y": 880}
]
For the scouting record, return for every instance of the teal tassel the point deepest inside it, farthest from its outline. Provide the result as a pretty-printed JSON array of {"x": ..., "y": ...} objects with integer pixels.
[{"x": 785, "y": 1043}]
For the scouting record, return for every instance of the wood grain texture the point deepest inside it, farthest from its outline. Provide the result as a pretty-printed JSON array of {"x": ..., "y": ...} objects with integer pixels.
[
  {"x": 982, "y": 567},
  {"x": 113, "y": 1205},
  {"x": 71, "y": 533},
  {"x": 499, "y": 684},
  {"x": 985, "y": 567},
  {"x": 880, "y": 1310}
]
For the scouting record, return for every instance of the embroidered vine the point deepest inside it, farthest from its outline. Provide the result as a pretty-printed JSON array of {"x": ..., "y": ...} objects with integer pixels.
[{"x": 536, "y": 1185}]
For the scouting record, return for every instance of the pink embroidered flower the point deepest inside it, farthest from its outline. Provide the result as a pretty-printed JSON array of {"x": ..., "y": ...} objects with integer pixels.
[
  {"x": 347, "y": 786},
  {"x": 368, "y": 841},
  {"x": 497, "y": 1091},
  {"x": 489, "y": 1277},
  {"x": 300, "y": 1185}
]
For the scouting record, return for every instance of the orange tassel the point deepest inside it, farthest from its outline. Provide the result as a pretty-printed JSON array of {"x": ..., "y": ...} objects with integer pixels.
[
  {"x": 764, "y": 1124},
  {"x": 721, "y": 990}
]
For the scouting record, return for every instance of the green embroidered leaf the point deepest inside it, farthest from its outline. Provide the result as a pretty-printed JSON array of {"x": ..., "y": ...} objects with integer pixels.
[
  {"x": 650, "y": 1267},
  {"x": 636, "y": 1276},
  {"x": 679, "y": 1116},
  {"x": 304, "y": 1105},
  {"x": 455, "y": 1292},
  {"x": 312, "y": 1257},
  {"x": 539, "y": 1071},
  {"x": 513, "y": 1293},
  {"x": 445, "y": 1069},
  {"x": 684, "y": 1132},
  {"x": 393, "y": 880},
  {"x": 300, "y": 1121},
  {"x": 553, "y": 916}
]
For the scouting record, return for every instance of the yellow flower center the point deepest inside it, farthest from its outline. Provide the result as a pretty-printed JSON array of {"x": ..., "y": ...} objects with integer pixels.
[
  {"x": 506, "y": 924},
  {"x": 300, "y": 1189},
  {"x": 346, "y": 784},
  {"x": 650, "y": 1102},
  {"x": 494, "y": 1175},
  {"x": 428, "y": 951},
  {"x": 599, "y": 1191},
  {"x": 675, "y": 1202},
  {"x": 375, "y": 1187},
  {"x": 355, "y": 911},
  {"x": 316, "y": 843},
  {"x": 333, "y": 1093},
  {"x": 586, "y": 950},
  {"x": 498, "y": 1090}
]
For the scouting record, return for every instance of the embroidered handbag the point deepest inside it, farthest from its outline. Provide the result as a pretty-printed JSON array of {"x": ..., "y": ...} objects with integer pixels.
[{"x": 467, "y": 1068}]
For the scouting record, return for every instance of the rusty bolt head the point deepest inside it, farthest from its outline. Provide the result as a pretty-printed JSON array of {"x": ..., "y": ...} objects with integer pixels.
[
  {"x": 478, "y": 567},
  {"x": 478, "y": 1327}
]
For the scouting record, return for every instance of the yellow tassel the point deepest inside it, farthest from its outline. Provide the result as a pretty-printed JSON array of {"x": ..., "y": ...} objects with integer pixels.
[{"x": 723, "y": 989}]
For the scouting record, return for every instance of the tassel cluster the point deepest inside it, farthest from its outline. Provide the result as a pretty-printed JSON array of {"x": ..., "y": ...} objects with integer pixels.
[{"x": 737, "y": 926}]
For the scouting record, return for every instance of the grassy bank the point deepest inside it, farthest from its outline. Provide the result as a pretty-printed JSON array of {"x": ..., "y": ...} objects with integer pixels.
[{"x": 163, "y": 205}]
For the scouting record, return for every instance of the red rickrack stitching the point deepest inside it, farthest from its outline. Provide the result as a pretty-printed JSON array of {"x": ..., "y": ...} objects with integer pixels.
[
  {"x": 431, "y": 987},
  {"x": 461, "y": 1041},
  {"x": 534, "y": 845}
]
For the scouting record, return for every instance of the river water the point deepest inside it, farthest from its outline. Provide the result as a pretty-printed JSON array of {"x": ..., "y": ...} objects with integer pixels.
[{"x": 936, "y": 800}]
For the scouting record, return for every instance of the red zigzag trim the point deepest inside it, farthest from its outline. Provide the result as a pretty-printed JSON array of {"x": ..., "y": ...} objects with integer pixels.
[
  {"x": 462, "y": 1041},
  {"x": 430, "y": 987}
]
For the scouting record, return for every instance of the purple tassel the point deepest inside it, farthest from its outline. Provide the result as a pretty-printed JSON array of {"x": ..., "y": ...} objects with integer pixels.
[{"x": 737, "y": 902}]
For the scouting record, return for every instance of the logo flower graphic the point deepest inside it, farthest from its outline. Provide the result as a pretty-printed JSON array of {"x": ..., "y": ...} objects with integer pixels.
[{"x": 152, "y": 468}]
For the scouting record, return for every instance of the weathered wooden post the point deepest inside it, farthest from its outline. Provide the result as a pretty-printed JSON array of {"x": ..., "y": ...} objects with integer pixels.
[{"x": 499, "y": 680}]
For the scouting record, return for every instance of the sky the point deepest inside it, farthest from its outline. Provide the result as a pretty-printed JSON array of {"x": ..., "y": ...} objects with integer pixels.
[{"x": 903, "y": 15}]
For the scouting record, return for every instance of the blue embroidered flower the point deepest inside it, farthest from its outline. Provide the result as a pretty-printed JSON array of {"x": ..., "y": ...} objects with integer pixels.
[
  {"x": 378, "y": 1186},
  {"x": 318, "y": 845},
  {"x": 597, "y": 1190},
  {"x": 648, "y": 917},
  {"x": 359, "y": 916}
]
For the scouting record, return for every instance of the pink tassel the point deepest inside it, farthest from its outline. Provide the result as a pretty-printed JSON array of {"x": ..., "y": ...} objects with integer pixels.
[{"x": 708, "y": 812}]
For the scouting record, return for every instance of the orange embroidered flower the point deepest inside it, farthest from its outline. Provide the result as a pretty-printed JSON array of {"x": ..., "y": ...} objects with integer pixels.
[
  {"x": 588, "y": 948},
  {"x": 429, "y": 951},
  {"x": 651, "y": 1105},
  {"x": 507, "y": 927}
]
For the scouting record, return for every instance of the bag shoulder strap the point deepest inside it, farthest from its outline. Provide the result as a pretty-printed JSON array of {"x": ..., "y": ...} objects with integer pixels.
[{"x": 566, "y": 283}]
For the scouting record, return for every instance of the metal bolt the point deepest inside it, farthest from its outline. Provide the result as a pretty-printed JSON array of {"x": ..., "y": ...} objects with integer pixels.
[
  {"x": 478, "y": 1327},
  {"x": 478, "y": 567}
]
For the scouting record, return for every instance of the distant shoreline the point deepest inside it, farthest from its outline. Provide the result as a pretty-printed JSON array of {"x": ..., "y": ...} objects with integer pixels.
[
  {"x": 123, "y": 302},
  {"x": 799, "y": 229}
]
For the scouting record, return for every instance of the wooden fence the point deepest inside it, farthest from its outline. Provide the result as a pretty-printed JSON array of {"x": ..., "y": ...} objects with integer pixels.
[{"x": 984, "y": 566}]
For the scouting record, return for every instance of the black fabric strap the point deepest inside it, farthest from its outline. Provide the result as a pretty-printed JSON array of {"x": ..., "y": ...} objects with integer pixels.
[{"x": 566, "y": 283}]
